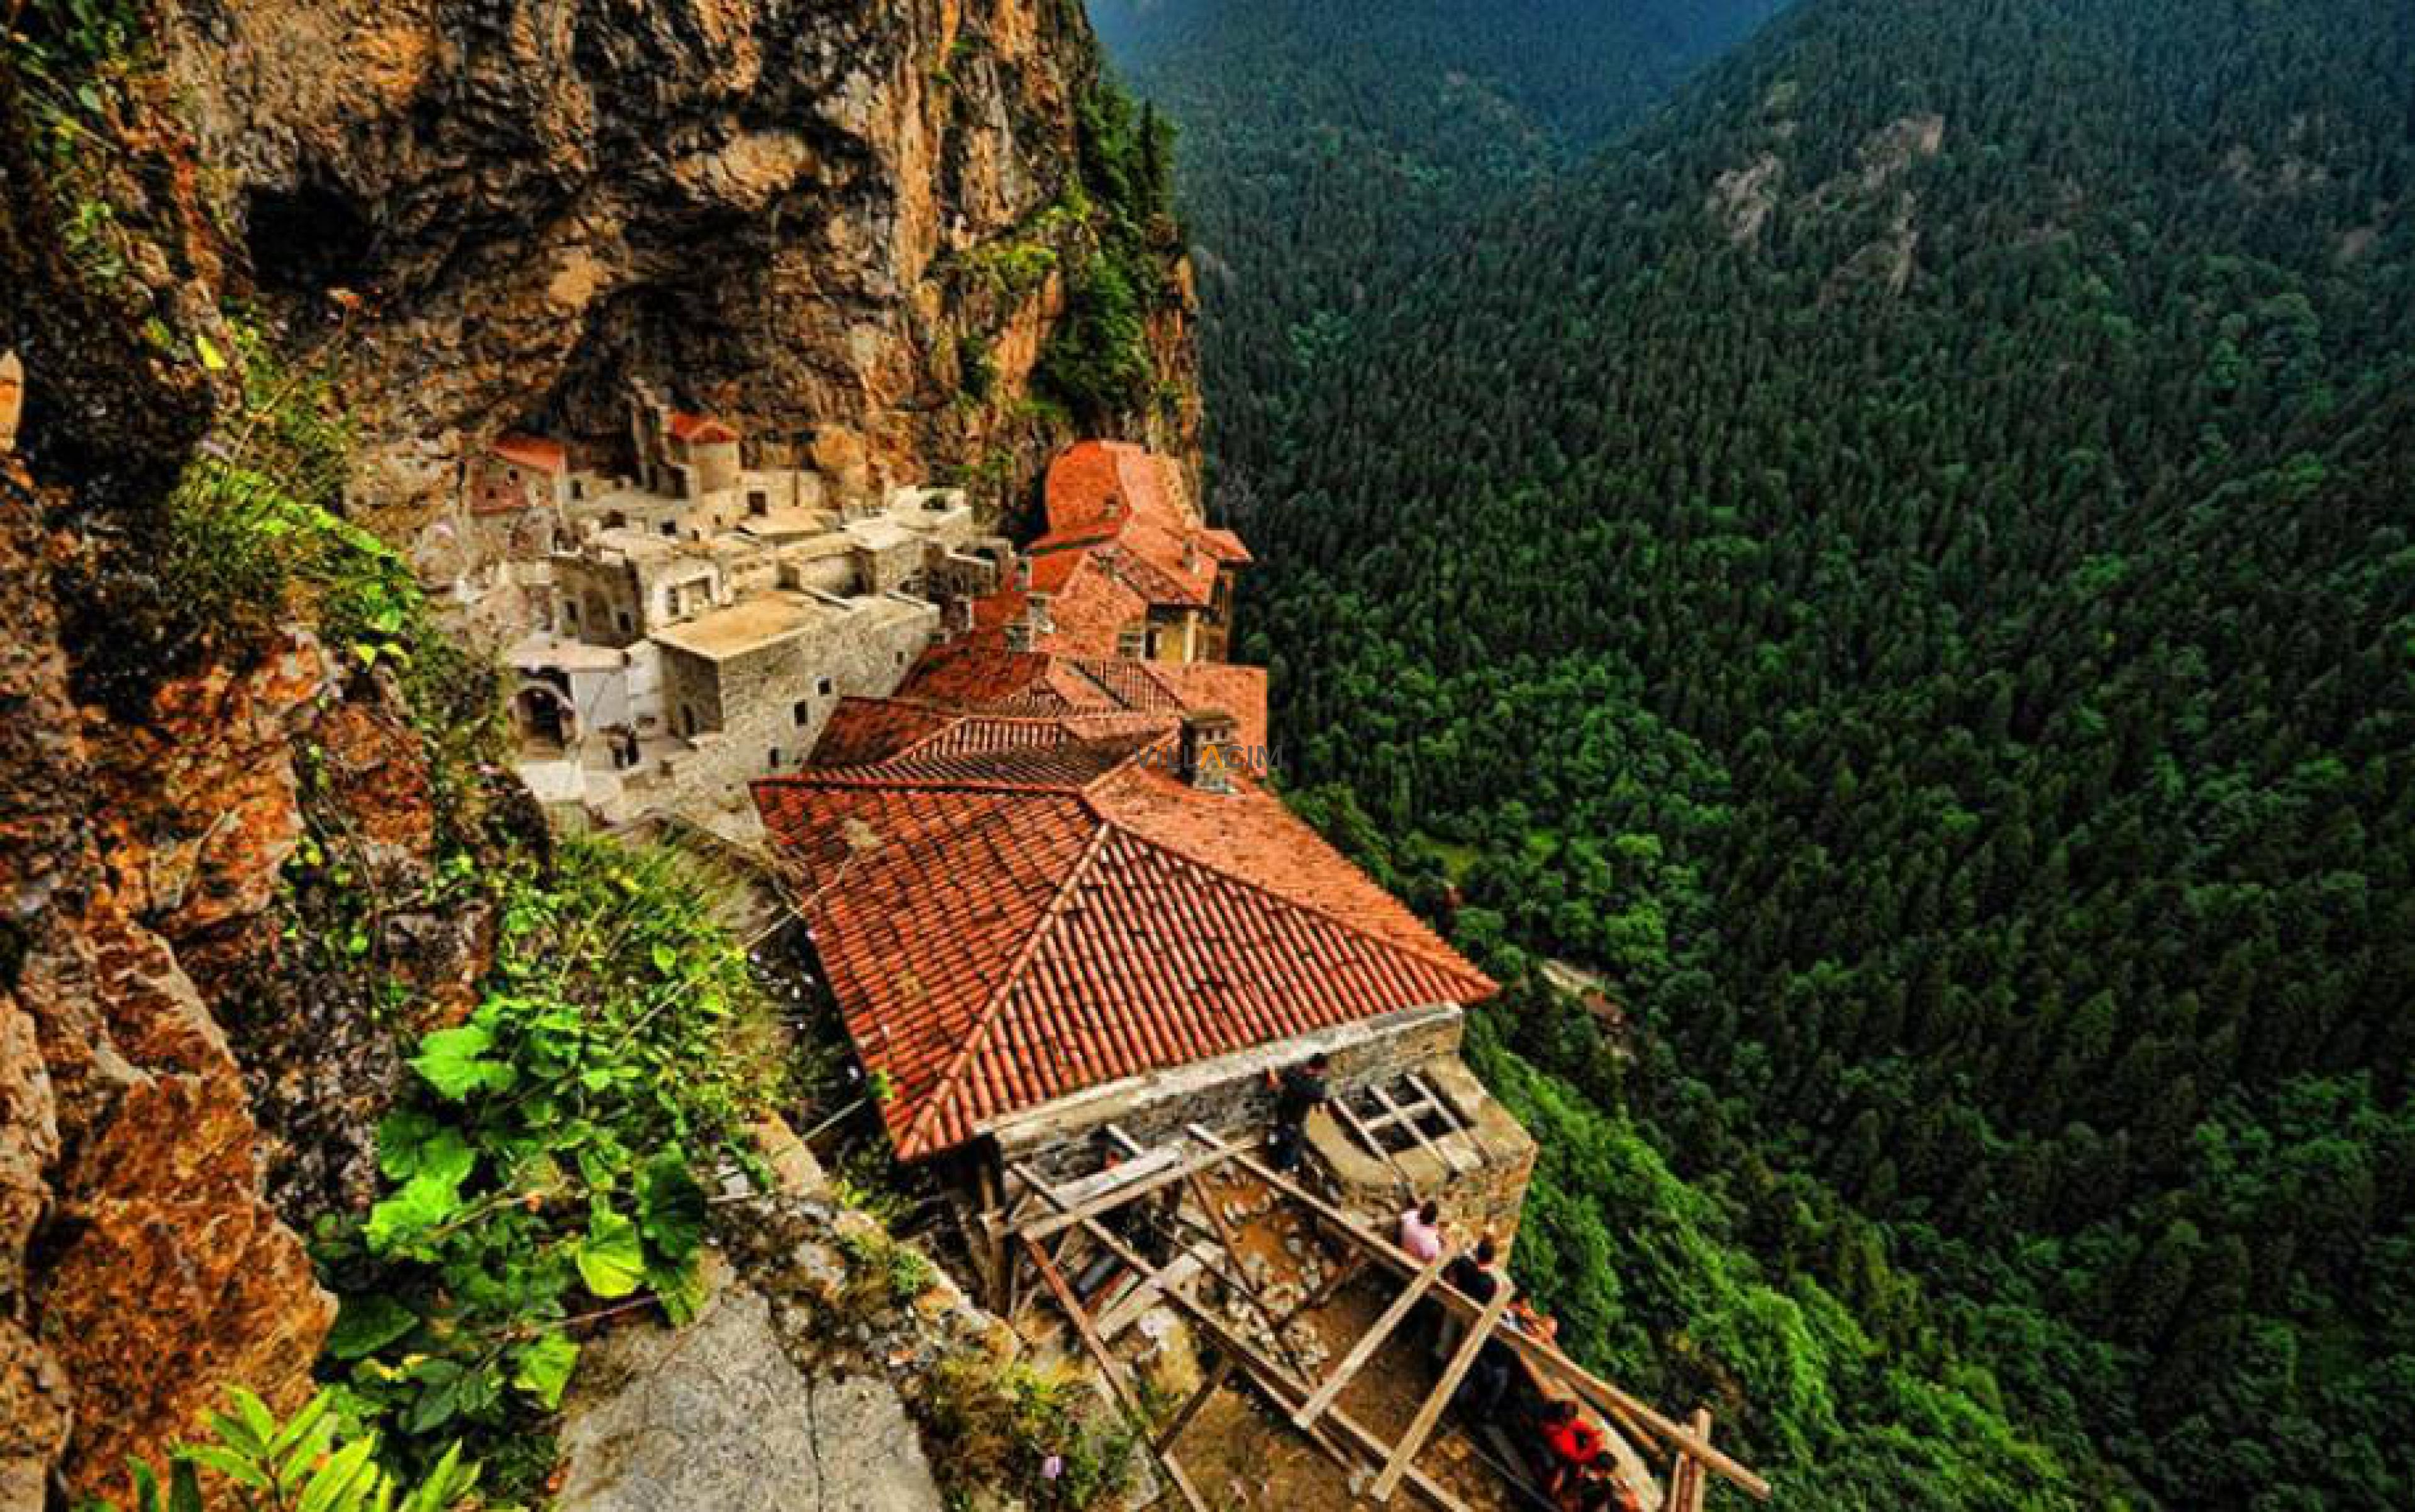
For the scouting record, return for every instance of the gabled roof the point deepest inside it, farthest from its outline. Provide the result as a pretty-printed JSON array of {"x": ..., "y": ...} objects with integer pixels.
[
  {"x": 700, "y": 429},
  {"x": 1003, "y": 928},
  {"x": 533, "y": 451},
  {"x": 972, "y": 677}
]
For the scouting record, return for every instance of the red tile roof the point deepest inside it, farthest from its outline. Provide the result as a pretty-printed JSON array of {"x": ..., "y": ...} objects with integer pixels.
[
  {"x": 699, "y": 429},
  {"x": 1004, "y": 928},
  {"x": 533, "y": 451},
  {"x": 969, "y": 676}
]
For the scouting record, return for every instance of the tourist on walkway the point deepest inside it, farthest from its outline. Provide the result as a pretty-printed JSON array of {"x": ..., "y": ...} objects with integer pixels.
[{"x": 1421, "y": 1232}]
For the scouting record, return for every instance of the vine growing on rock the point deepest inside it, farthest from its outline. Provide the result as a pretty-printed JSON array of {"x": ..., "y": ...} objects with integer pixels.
[{"x": 542, "y": 1174}]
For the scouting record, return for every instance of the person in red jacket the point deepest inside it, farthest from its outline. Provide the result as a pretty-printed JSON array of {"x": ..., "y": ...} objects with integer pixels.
[{"x": 1575, "y": 1443}]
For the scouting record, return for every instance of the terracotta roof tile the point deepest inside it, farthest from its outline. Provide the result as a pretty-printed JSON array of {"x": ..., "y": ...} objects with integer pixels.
[
  {"x": 1005, "y": 927},
  {"x": 533, "y": 451},
  {"x": 701, "y": 429}
]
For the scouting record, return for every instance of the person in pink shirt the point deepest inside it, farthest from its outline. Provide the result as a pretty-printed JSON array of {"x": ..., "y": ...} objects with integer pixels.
[{"x": 1421, "y": 1231}]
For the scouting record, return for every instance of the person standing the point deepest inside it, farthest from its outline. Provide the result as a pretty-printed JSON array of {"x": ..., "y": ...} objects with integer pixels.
[
  {"x": 1298, "y": 1092},
  {"x": 1421, "y": 1232}
]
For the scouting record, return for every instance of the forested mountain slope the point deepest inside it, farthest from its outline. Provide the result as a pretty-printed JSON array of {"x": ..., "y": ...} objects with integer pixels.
[
  {"x": 1906, "y": 564},
  {"x": 1328, "y": 150}
]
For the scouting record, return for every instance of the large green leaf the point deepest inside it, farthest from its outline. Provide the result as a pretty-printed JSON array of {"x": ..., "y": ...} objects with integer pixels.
[
  {"x": 612, "y": 1261},
  {"x": 423, "y": 1203},
  {"x": 455, "y": 1062},
  {"x": 544, "y": 1367},
  {"x": 671, "y": 1206},
  {"x": 368, "y": 1324}
]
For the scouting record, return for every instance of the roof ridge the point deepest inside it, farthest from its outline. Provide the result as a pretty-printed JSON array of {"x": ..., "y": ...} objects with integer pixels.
[
  {"x": 944, "y": 1087},
  {"x": 1459, "y": 966},
  {"x": 868, "y": 775}
]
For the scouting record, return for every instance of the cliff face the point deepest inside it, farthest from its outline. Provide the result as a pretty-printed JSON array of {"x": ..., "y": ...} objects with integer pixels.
[
  {"x": 849, "y": 227},
  {"x": 782, "y": 212}
]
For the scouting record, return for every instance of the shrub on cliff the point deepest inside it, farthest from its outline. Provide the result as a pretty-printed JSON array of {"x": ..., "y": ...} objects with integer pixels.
[{"x": 543, "y": 1173}]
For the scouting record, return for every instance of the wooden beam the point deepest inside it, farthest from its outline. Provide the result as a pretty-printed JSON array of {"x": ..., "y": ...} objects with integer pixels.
[
  {"x": 1685, "y": 1486},
  {"x": 1107, "y": 1202},
  {"x": 1287, "y": 1395},
  {"x": 1442, "y": 1104},
  {"x": 1542, "y": 1355},
  {"x": 1283, "y": 1385},
  {"x": 1370, "y": 1341},
  {"x": 1112, "y": 1369},
  {"x": 1425, "y": 1141},
  {"x": 1212, "y": 1373},
  {"x": 1340, "y": 1104},
  {"x": 1439, "y": 1398}
]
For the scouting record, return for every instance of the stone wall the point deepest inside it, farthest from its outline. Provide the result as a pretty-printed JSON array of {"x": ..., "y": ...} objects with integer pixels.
[
  {"x": 1228, "y": 1094},
  {"x": 772, "y": 703},
  {"x": 608, "y": 612},
  {"x": 691, "y": 687},
  {"x": 1478, "y": 1175}
]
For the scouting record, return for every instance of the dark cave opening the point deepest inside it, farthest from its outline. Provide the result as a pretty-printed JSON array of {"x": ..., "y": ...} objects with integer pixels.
[{"x": 307, "y": 239}]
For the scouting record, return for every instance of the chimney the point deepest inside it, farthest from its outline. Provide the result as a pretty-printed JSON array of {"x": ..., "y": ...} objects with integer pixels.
[
  {"x": 1209, "y": 756},
  {"x": 1023, "y": 572},
  {"x": 1190, "y": 553},
  {"x": 1018, "y": 633},
  {"x": 1041, "y": 622}
]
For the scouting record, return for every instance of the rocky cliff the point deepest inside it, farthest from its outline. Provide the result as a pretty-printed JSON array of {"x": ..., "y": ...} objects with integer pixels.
[
  {"x": 792, "y": 214},
  {"x": 852, "y": 227}
]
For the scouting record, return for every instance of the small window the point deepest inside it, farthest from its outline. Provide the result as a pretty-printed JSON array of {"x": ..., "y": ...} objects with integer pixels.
[
  {"x": 577, "y": 488},
  {"x": 803, "y": 713},
  {"x": 775, "y": 758},
  {"x": 671, "y": 527},
  {"x": 823, "y": 687},
  {"x": 757, "y": 502},
  {"x": 569, "y": 612},
  {"x": 621, "y": 619},
  {"x": 901, "y": 658}
]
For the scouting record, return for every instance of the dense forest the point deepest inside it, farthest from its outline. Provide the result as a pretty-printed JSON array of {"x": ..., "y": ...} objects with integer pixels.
[{"x": 1902, "y": 559}]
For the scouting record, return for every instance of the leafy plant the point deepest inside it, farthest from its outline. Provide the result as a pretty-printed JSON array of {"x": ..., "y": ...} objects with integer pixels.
[
  {"x": 541, "y": 1174},
  {"x": 303, "y": 1464}
]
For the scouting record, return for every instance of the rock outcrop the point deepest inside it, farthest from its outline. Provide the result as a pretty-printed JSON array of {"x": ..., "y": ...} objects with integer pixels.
[
  {"x": 714, "y": 1418},
  {"x": 782, "y": 213},
  {"x": 848, "y": 227}
]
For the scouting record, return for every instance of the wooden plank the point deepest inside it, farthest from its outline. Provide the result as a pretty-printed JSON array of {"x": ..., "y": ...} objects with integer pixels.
[
  {"x": 1542, "y": 1355},
  {"x": 1456, "y": 1125},
  {"x": 1340, "y": 1104},
  {"x": 1111, "y": 1367},
  {"x": 1287, "y": 1395},
  {"x": 1441, "y": 1105},
  {"x": 1430, "y": 1410},
  {"x": 1370, "y": 1341},
  {"x": 1284, "y": 1386},
  {"x": 1109, "y": 1200},
  {"x": 1687, "y": 1489},
  {"x": 1212, "y": 1375},
  {"x": 1144, "y": 1296},
  {"x": 1451, "y": 1158}
]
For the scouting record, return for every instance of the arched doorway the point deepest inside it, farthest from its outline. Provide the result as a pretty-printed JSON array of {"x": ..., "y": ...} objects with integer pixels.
[{"x": 545, "y": 717}]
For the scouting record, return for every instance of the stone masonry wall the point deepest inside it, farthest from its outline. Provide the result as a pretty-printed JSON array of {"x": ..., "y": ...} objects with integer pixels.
[{"x": 1228, "y": 1094}]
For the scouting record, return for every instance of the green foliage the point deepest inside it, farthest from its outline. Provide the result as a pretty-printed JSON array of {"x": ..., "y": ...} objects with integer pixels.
[
  {"x": 1096, "y": 360},
  {"x": 1002, "y": 1424},
  {"x": 1969, "y": 716},
  {"x": 543, "y": 1172},
  {"x": 900, "y": 1272},
  {"x": 306, "y": 1463}
]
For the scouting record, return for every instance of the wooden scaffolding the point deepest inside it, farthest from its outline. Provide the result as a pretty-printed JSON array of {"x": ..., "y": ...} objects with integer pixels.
[{"x": 1025, "y": 1230}]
